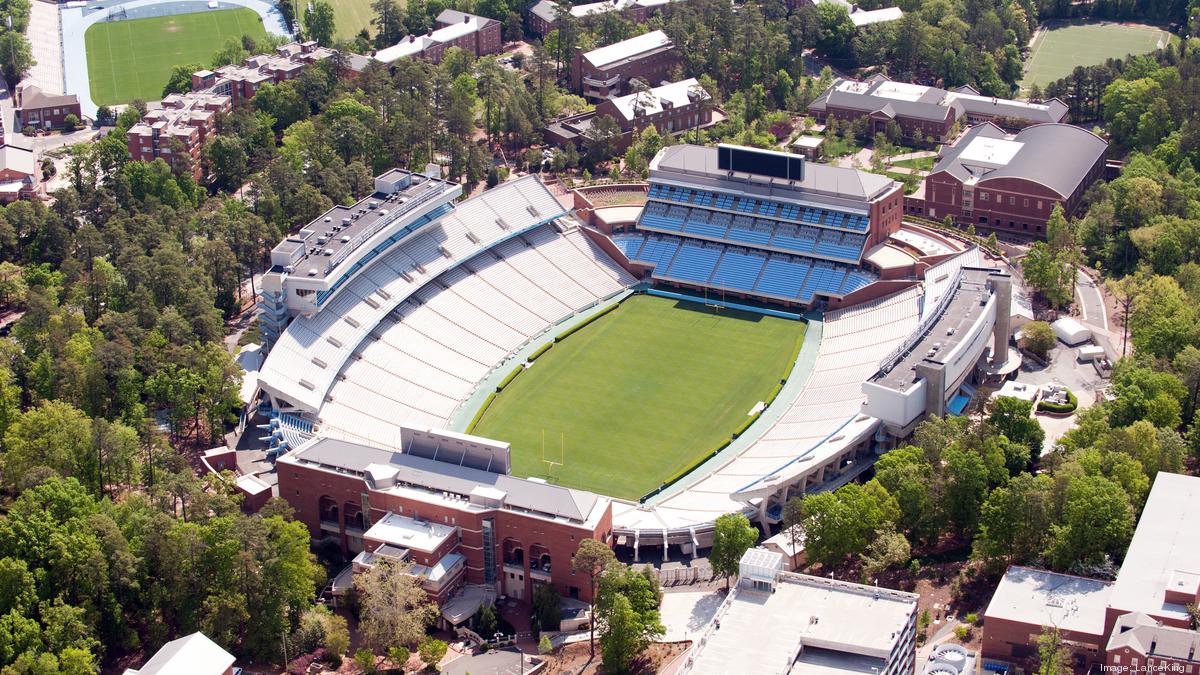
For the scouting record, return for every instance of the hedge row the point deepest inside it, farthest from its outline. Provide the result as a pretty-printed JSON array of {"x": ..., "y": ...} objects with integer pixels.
[
  {"x": 774, "y": 394},
  {"x": 741, "y": 429},
  {"x": 586, "y": 321},
  {"x": 1068, "y": 407},
  {"x": 540, "y": 350},
  {"x": 487, "y": 403},
  {"x": 509, "y": 378}
]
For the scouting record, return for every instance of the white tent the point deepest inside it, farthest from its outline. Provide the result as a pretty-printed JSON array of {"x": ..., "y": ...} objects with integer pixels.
[{"x": 1071, "y": 332}]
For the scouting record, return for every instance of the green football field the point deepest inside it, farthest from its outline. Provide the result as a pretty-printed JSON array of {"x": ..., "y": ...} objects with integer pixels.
[
  {"x": 1058, "y": 49},
  {"x": 351, "y": 16},
  {"x": 133, "y": 59},
  {"x": 639, "y": 394}
]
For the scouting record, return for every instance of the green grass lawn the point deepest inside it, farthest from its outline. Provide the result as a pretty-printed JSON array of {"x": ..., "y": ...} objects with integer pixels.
[
  {"x": 1057, "y": 50},
  {"x": 917, "y": 163},
  {"x": 640, "y": 393},
  {"x": 133, "y": 59},
  {"x": 351, "y": 16}
]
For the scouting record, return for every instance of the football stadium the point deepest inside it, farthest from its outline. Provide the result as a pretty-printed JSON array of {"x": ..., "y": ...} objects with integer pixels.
[{"x": 529, "y": 369}]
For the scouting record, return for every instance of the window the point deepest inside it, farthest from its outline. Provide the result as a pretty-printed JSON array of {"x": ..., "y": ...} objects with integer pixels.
[
  {"x": 983, "y": 196},
  {"x": 1012, "y": 201},
  {"x": 1026, "y": 203},
  {"x": 1039, "y": 205}
]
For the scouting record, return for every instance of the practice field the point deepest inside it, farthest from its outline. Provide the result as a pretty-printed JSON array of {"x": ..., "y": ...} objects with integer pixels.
[
  {"x": 640, "y": 394},
  {"x": 351, "y": 16},
  {"x": 133, "y": 59},
  {"x": 1058, "y": 49}
]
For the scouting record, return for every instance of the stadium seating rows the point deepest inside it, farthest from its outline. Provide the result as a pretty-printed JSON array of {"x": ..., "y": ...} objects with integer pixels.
[
  {"x": 775, "y": 275},
  {"x": 747, "y": 229},
  {"x": 430, "y": 352},
  {"x": 759, "y": 207}
]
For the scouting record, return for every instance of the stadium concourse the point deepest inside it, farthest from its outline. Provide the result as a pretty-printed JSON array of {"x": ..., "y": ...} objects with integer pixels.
[{"x": 390, "y": 319}]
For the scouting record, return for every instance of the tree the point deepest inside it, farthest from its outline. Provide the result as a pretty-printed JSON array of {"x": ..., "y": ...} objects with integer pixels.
[
  {"x": 1049, "y": 273},
  {"x": 793, "y": 518},
  {"x": 890, "y": 549},
  {"x": 388, "y": 22},
  {"x": 546, "y": 602},
  {"x": 395, "y": 609},
  {"x": 965, "y": 487},
  {"x": 622, "y": 638},
  {"x": 1097, "y": 521},
  {"x": 318, "y": 22},
  {"x": 432, "y": 650},
  {"x": 180, "y": 81},
  {"x": 1039, "y": 337},
  {"x": 627, "y": 610},
  {"x": 1011, "y": 416},
  {"x": 600, "y": 139},
  {"x": 733, "y": 535},
  {"x": 16, "y": 57},
  {"x": 227, "y": 161},
  {"x": 1015, "y": 520},
  {"x": 591, "y": 559},
  {"x": 1053, "y": 656},
  {"x": 485, "y": 621}
]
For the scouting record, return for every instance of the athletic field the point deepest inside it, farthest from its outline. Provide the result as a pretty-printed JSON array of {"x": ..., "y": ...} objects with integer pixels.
[
  {"x": 641, "y": 393},
  {"x": 351, "y": 16},
  {"x": 1056, "y": 50},
  {"x": 133, "y": 59}
]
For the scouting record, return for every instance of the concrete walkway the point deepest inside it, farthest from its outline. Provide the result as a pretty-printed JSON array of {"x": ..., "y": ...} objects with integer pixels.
[{"x": 912, "y": 155}]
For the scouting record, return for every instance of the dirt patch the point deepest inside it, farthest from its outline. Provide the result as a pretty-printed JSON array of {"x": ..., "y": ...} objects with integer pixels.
[
  {"x": 171, "y": 27},
  {"x": 574, "y": 659}
]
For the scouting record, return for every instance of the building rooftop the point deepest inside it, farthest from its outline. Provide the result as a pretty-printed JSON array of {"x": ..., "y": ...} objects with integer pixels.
[
  {"x": 194, "y": 654},
  {"x": 329, "y": 237},
  {"x": 819, "y": 179},
  {"x": 20, "y": 160},
  {"x": 1058, "y": 156},
  {"x": 457, "y": 25},
  {"x": 658, "y": 99},
  {"x": 635, "y": 47},
  {"x": 32, "y": 96},
  {"x": 1164, "y": 548},
  {"x": 817, "y": 661},
  {"x": 1146, "y": 635},
  {"x": 1045, "y": 598},
  {"x": 939, "y": 342},
  {"x": 404, "y": 532},
  {"x": 929, "y": 103},
  {"x": 390, "y": 469},
  {"x": 804, "y": 613},
  {"x": 866, "y": 17}
]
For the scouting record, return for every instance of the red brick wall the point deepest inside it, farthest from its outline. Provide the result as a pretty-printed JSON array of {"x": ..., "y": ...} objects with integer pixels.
[
  {"x": 911, "y": 127},
  {"x": 886, "y": 215},
  {"x": 1001, "y": 635}
]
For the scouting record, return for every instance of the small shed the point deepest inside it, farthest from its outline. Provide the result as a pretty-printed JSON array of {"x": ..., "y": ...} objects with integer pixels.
[
  {"x": 809, "y": 146},
  {"x": 1071, "y": 332},
  {"x": 759, "y": 569},
  {"x": 1088, "y": 353}
]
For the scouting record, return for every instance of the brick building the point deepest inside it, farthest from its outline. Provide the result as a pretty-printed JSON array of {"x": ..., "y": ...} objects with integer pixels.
[
  {"x": 186, "y": 118},
  {"x": 1138, "y": 623},
  {"x": 672, "y": 108},
  {"x": 43, "y": 110},
  {"x": 240, "y": 82},
  {"x": 927, "y": 112},
  {"x": 605, "y": 72},
  {"x": 477, "y": 35},
  {"x": 542, "y": 16},
  {"x": 447, "y": 504},
  {"x": 20, "y": 176},
  {"x": 1010, "y": 183}
]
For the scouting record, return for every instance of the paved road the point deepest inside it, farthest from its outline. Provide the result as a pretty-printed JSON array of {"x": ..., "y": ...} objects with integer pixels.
[{"x": 1091, "y": 302}]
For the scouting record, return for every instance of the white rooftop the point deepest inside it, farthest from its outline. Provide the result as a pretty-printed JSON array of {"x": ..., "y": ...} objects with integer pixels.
[
  {"x": 1164, "y": 547},
  {"x": 812, "y": 612},
  {"x": 990, "y": 151},
  {"x": 627, "y": 48},
  {"x": 901, "y": 91},
  {"x": 866, "y": 17},
  {"x": 671, "y": 95},
  {"x": 405, "y": 532},
  {"x": 808, "y": 142},
  {"x": 193, "y": 654},
  {"x": 1046, "y": 598},
  {"x": 952, "y": 96}
]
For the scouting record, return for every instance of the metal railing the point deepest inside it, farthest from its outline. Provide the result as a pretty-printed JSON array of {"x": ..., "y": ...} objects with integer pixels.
[
  {"x": 888, "y": 362},
  {"x": 401, "y": 210}
]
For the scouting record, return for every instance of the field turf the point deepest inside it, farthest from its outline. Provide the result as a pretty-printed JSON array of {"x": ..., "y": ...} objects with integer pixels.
[
  {"x": 1056, "y": 50},
  {"x": 133, "y": 59},
  {"x": 351, "y": 16},
  {"x": 641, "y": 393}
]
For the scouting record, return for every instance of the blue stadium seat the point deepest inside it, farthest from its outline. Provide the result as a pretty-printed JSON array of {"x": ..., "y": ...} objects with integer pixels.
[
  {"x": 738, "y": 270},
  {"x": 629, "y": 244},
  {"x": 658, "y": 251},
  {"x": 694, "y": 262},
  {"x": 783, "y": 276}
]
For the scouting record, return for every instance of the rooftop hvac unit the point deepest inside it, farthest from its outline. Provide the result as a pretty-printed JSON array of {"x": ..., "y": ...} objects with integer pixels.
[{"x": 312, "y": 271}]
